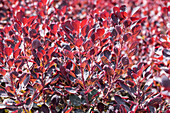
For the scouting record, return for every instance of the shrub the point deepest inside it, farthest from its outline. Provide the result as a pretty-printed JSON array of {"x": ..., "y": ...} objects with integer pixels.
[{"x": 84, "y": 56}]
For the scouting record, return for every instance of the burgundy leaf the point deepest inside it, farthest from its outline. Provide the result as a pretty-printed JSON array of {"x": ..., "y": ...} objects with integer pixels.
[
  {"x": 115, "y": 19},
  {"x": 127, "y": 36},
  {"x": 125, "y": 60},
  {"x": 134, "y": 18},
  {"x": 165, "y": 82},
  {"x": 85, "y": 30},
  {"x": 114, "y": 33},
  {"x": 33, "y": 33},
  {"x": 123, "y": 7},
  {"x": 87, "y": 45},
  {"x": 127, "y": 23},
  {"x": 166, "y": 52},
  {"x": 119, "y": 100},
  {"x": 28, "y": 101},
  {"x": 55, "y": 100},
  {"x": 118, "y": 29},
  {"x": 136, "y": 29},
  {"x": 69, "y": 54},
  {"x": 100, "y": 107},
  {"x": 45, "y": 108},
  {"x": 155, "y": 101},
  {"x": 35, "y": 44}
]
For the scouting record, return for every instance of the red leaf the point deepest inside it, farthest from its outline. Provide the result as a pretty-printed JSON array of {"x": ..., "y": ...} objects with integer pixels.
[
  {"x": 20, "y": 16},
  {"x": 76, "y": 25},
  {"x": 100, "y": 32},
  {"x": 69, "y": 54},
  {"x": 136, "y": 29},
  {"x": 85, "y": 30},
  {"x": 10, "y": 89},
  {"x": 31, "y": 20},
  {"x": 79, "y": 42},
  {"x": 166, "y": 44},
  {"x": 37, "y": 86},
  {"x": 105, "y": 23},
  {"x": 133, "y": 45},
  {"x": 35, "y": 26},
  {"x": 83, "y": 22},
  {"x": 158, "y": 58},
  {"x": 69, "y": 110},
  {"x": 44, "y": 1},
  {"x": 50, "y": 50},
  {"x": 104, "y": 14},
  {"x": 134, "y": 18},
  {"x": 16, "y": 53},
  {"x": 116, "y": 9},
  {"x": 8, "y": 51},
  {"x": 10, "y": 62},
  {"x": 124, "y": 14},
  {"x": 127, "y": 23},
  {"x": 88, "y": 45},
  {"x": 2, "y": 71},
  {"x": 7, "y": 29},
  {"x": 17, "y": 45},
  {"x": 127, "y": 36},
  {"x": 141, "y": 20}
]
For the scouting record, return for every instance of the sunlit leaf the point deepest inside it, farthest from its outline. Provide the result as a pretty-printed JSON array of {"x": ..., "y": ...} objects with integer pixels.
[
  {"x": 87, "y": 45},
  {"x": 8, "y": 51},
  {"x": 2, "y": 71}
]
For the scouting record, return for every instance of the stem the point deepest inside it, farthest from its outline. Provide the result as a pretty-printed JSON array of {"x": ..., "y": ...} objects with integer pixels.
[
  {"x": 82, "y": 72},
  {"x": 82, "y": 75},
  {"x": 20, "y": 101}
]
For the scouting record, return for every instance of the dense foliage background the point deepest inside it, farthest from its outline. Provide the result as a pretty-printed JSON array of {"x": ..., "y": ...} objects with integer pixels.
[{"x": 92, "y": 56}]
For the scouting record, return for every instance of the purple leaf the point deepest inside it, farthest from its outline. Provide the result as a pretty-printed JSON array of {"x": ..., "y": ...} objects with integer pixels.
[{"x": 45, "y": 108}]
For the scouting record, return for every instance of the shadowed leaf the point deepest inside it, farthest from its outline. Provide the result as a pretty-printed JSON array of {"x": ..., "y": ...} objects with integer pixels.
[
  {"x": 35, "y": 44},
  {"x": 45, "y": 109}
]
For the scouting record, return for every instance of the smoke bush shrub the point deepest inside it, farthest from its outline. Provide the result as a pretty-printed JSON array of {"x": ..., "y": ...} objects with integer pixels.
[{"x": 77, "y": 56}]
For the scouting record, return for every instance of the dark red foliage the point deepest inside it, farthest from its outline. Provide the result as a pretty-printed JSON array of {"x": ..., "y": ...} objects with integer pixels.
[{"x": 84, "y": 56}]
